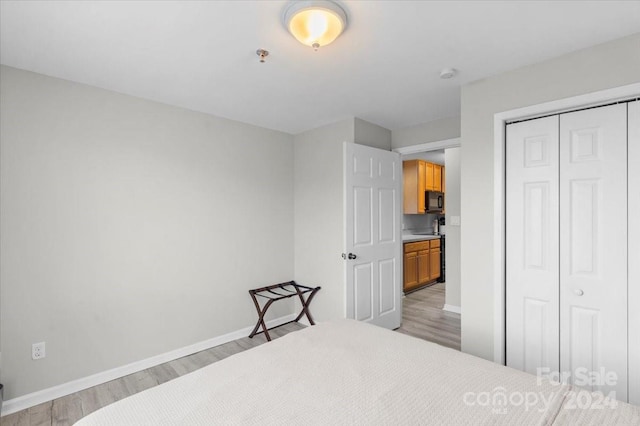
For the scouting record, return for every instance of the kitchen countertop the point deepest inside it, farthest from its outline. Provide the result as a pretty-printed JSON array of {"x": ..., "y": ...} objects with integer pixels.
[{"x": 408, "y": 238}]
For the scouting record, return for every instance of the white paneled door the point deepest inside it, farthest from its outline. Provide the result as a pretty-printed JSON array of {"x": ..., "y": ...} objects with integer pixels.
[
  {"x": 593, "y": 246},
  {"x": 571, "y": 307},
  {"x": 373, "y": 236},
  {"x": 532, "y": 241}
]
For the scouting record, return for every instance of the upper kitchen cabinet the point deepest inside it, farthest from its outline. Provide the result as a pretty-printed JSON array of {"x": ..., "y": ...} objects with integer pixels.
[
  {"x": 414, "y": 175},
  {"x": 429, "y": 185},
  {"x": 434, "y": 177},
  {"x": 438, "y": 171},
  {"x": 420, "y": 176}
]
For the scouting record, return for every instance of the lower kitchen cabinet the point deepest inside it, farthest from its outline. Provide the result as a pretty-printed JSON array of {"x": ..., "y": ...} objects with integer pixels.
[
  {"x": 434, "y": 260},
  {"x": 421, "y": 263},
  {"x": 424, "y": 261},
  {"x": 410, "y": 270}
]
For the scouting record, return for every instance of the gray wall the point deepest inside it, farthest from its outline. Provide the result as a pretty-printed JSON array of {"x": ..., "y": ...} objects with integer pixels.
[
  {"x": 129, "y": 228},
  {"x": 436, "y": 157},
  {"x": 452, "y": 250},
  {"x": 318, "y": 195},
  {"x": 366, "y": 133},
  {"x": 318, "y": 188},
  {"x": 601, "y": 67},
  {"x": 432, "y": 131}
]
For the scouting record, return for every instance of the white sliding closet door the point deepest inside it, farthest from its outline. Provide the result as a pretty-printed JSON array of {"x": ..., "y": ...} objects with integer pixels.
[
  {"x": 634, "y": 251},
  {"x": 532, "y": 275},
  {"x": 593, "y": 245}
]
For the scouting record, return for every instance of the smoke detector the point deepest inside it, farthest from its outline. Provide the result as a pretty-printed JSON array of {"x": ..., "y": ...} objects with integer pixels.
[{"x": 447, "y": 73}]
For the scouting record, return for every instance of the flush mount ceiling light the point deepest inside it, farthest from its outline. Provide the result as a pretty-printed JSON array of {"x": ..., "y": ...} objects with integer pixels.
[{"x": 315, "y": 23}]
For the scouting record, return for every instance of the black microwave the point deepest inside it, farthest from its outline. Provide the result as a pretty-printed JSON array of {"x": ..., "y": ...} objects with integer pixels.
[{"x": 433, "y": 202}]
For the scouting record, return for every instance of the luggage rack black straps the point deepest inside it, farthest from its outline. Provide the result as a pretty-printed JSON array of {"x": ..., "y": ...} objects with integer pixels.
[
  {"x": 284, "y": 287},
  {"x": 290, "y": 289}
]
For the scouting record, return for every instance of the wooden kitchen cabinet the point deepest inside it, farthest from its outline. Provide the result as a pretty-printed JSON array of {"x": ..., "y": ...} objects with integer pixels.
[
  {"x": 433, "y": 176},
  {"x": 437, "y": 178},
  {"x": 410, "y": 270},
  {"x": 414, "y": 180},
  {"x": 421, "y": 263},
  {"x": 424, "y": 272},
  {"x": 420, "y": 176},
  {"x": 429, "y": 178},
  {"x": 434, "y": 260}
]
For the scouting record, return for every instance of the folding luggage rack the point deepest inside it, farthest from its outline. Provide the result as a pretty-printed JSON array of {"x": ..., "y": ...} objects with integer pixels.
[{"x": 277, "y": 292}]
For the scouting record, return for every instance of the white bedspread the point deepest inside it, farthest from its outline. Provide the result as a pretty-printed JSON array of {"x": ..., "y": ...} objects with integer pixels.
[{"x": 347, "y": 372}]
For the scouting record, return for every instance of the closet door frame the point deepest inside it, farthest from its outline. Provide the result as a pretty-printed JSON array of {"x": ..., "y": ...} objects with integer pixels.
[
  {"x": 633, "y": 235},
  {"x": 499, "y": 265}
]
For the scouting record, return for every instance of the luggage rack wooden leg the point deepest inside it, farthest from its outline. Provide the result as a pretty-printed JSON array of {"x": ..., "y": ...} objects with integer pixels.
[
  {"x": 261, "y": 314},
  {"x": 305, "y": 305}
]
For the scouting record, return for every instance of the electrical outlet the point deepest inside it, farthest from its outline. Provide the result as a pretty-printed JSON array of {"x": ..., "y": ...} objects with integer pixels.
[{"x": 38, "y": 351}]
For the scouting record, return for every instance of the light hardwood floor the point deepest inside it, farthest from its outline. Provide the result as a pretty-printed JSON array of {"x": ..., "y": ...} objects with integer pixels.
[{"x": 422, "y": 317}]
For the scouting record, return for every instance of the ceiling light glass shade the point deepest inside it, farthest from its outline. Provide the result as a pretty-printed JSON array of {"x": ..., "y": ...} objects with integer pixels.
[{"x": 315, "y": 23}]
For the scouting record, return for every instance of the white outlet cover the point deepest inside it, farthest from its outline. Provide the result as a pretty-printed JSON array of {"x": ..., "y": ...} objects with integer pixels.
[
  {"x": 38, "y": 351},
  {"x": 455, "y": 220}
]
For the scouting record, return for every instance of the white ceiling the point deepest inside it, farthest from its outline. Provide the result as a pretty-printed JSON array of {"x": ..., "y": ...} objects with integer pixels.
[{"x": 201, "y": 55}]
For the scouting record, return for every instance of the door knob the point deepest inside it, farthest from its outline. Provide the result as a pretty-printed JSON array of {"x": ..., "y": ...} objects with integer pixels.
[
  {"x": 349, "y": 256},
  {"x": 578, "y": 292}
]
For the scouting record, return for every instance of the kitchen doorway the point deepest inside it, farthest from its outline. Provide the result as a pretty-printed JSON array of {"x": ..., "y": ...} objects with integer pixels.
[{"x": 431, "y": 243}]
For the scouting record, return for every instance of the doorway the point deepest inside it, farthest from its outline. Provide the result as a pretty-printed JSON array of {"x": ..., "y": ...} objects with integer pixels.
[{"x": 431, "y": 308}]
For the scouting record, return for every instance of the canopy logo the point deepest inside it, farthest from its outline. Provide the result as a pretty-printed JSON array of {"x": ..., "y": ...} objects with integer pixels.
[{"x": 499, "y": 399}]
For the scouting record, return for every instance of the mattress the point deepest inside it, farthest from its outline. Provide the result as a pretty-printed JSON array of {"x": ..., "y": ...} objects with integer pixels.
[{"x": 348, "y": 372}]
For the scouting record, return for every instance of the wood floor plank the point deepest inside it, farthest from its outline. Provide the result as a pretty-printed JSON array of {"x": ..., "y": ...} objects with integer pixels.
[
  {"x": 89, "y": 400},
  {"x": 184, "y": 365},
  {"x": 286, "y": 329},
  {"x": 229, "y": 349},
  {"x": 66, "y": 410},
  {"x": 95, "y": 398},
  {"x": 247, "y": 343},
  {"x": 117, "y": 389},
  {"x": 21, "y": 418},
  {"x": 204, "y": 358},
  {"x": 212, "y": 354},
  {"x": 423, "y": 317},
  {"x": 40, "y": 414},
  {"x": 139, "y": 381},
  {"x": 162, "y": 373}
]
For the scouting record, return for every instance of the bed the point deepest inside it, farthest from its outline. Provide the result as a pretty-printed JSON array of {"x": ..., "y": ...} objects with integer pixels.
[{"x": 347, "y": 372}]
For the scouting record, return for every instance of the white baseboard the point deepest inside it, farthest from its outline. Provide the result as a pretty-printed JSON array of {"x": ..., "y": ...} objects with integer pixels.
[
  {"x": 452, "y": 308},
  {"x": 49, "y": 394}
]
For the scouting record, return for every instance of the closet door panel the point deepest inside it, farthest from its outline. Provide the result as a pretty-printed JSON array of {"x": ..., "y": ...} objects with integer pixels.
[
  {"x": 634, "y": 252},
  {"x": 593, "y": 246},
  {"x": 532, "y": 245}
]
